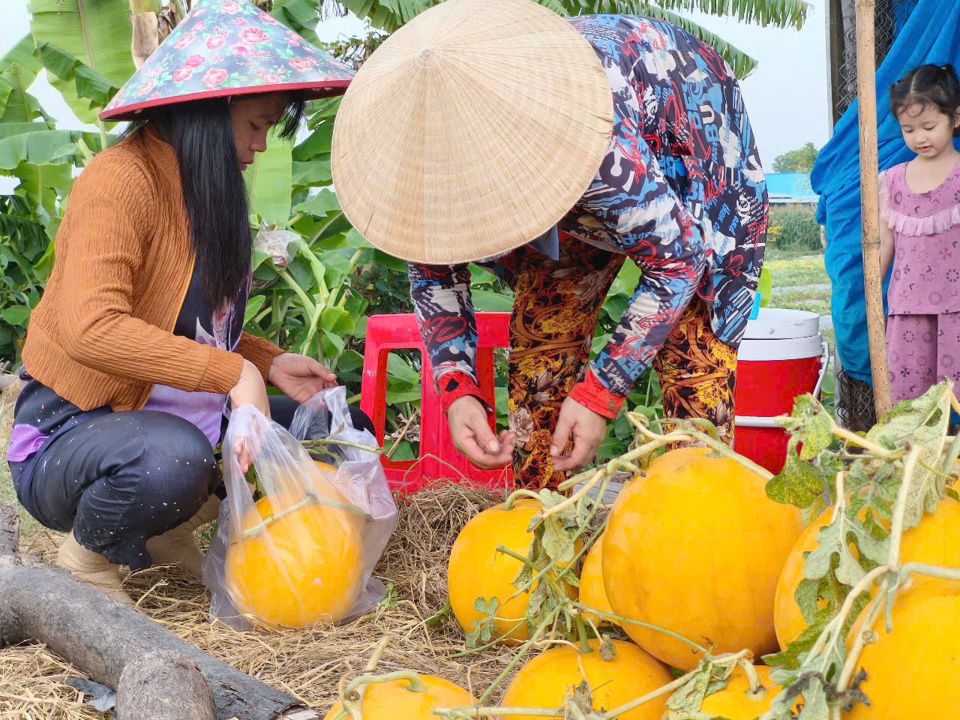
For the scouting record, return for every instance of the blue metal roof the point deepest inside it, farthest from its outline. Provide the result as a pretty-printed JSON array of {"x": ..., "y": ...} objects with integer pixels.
[{"x": 790, "y": 187}]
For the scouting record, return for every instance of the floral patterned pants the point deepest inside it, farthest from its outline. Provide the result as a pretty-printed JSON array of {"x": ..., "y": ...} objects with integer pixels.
[{"x": 555, "y": 313}]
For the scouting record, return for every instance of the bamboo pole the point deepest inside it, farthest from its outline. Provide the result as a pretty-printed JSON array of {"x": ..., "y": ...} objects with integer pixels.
[{"x": 870, "y": 201}]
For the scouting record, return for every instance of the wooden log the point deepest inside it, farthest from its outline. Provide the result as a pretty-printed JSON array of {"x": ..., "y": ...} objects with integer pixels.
[
  {"x": 41, "y": 603},
  {"x": 9, "y": 530},
  {"x": 163, "y": 685},
  {"x": 870, "y": 203}
]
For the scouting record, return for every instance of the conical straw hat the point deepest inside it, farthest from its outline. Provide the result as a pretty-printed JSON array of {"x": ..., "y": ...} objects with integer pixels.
[
  {"x": 224, "y": 48},
  {"x": 471, "y": 131}
]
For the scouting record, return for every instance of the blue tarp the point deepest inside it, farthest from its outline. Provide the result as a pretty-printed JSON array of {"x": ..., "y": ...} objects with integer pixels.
[{"x": 930, "y": 34}]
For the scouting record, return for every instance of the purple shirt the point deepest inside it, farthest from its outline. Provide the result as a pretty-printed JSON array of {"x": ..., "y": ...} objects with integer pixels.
[{"x": 926, "y": 239}]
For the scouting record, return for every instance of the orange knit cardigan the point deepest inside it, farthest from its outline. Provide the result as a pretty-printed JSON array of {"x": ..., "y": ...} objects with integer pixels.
[{"x": 102, "y": 333}]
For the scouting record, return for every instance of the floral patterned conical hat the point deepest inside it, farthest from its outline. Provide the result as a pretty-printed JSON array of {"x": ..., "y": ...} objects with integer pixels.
[{"x": 223, "y": 48}]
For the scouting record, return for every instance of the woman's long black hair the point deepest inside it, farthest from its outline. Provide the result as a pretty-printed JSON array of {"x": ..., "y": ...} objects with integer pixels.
[
  {"x": 927, "y": 85},
  {"x": 214, "y": 193}
]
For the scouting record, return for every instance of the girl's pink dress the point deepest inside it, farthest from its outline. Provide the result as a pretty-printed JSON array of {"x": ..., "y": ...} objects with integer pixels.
[{"x": 923, "y": 299}]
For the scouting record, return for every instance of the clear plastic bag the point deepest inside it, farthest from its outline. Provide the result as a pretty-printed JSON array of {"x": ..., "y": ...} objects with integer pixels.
[
  {"x": 280, "y": 245},
  {"x": 305, "y": 552}
]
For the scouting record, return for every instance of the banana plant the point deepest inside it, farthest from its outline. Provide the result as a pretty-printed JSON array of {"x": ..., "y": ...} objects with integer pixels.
[
  {"x": 85, "y": 47},
  {"x": 389, "y": 15}
]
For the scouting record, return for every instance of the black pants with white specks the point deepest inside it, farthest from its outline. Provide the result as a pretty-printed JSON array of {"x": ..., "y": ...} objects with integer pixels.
[{"x": 125, "y": 477}]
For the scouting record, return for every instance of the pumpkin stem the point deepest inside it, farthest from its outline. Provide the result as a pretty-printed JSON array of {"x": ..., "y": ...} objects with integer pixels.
[
  {"x": 309, "y": 498},
  {"x": 320, "y": 444},
  {"x": 756, "y": 687},
  {"x": 512, "y": 497},
  {"x": 582, "y": 632},
  {"x": 648, "y": 626},
  {"x": 414, "y": 683}
]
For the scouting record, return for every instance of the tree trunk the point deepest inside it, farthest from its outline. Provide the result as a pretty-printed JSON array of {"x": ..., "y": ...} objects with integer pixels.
[{"x": 40, "y": 603}]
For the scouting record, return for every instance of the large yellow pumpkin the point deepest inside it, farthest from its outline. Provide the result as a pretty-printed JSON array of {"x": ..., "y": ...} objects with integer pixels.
[
  {"x": 547, "y": 680},
  {"x": 305, "y": 567},
  {"x": 911, "y": 672},
  {"x": 736, "y": 701},
  {"x": 592, "y": 593},
  {"x": 396, "y": 701},
  {"x": 477, "y": 570},
  {"x": 695, "y": 546},
  {"x": 936, "y": 541}
]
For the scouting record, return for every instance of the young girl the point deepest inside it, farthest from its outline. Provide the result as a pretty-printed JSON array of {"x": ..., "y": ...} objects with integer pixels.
[{"x": 920, "y": 234}]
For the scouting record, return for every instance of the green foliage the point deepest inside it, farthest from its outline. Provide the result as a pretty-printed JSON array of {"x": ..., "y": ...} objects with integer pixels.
[
  {"x": 794, "y": 227},
  {"x": 871, "y": 471},
  {"x": 22, "y": 274},
  {"x": 89, "y": 49},
  {"x": 800, "y": 160}
]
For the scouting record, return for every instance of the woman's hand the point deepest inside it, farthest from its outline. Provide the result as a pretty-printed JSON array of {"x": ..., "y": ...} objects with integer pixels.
[
  {"x": 299, "y": 377},
  {"x": 472, "y": 436},
  {"x": 587, "y": 429},
  {"x": 249, "y": 390}
]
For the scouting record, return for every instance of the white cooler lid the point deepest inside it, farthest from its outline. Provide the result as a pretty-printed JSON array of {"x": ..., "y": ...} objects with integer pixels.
[{"x": 781, "y": 324}]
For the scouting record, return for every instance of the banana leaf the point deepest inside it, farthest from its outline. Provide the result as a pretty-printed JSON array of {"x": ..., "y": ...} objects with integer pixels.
[
  {"x": 98, "y": 34},
  {"x": 18, "y": 69},
  {"x": 44, "y": 184},
  {"x": 47, "y": 147},
  {"x": 388, "y": 15},
  {"x": 88, "y": 83},
  {"x": 269, "y": 180},
  {"x": 301, "y": 16}
]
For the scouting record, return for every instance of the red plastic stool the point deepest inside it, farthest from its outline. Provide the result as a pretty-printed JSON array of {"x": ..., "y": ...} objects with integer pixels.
[{"x": 438, "y": 458}]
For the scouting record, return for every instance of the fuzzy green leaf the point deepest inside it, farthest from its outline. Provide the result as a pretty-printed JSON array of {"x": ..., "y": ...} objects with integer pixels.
[
  {"x": 323, "y": 203},
  {"x": 556, "y": 541},
  {"x": 686, "y": 700},
  {"x": 799, "y": 483}
]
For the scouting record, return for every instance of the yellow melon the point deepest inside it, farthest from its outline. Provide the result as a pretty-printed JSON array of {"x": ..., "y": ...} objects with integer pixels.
[
  {"x": 737, "y": 701},
  {"x": 477, "y": 570},
  {"x": 936, "y": 541},
  {"x": 911, "y": 672},
  {"x": 696, "y": 547},
  {"x": 549, "y": 678},
  {"x": 395, "y": 700},
  {"x": 592, "y": 593},
  {"x": 305, "y": 567}
]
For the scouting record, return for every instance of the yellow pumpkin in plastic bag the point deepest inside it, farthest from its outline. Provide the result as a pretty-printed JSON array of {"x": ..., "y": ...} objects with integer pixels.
[{"x": 305, "y": 566}]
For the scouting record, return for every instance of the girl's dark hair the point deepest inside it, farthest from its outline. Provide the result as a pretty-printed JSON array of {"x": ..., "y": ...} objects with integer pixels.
[
  {"x": 214, "y": 193},
  {"x": 927, "y": 85}
]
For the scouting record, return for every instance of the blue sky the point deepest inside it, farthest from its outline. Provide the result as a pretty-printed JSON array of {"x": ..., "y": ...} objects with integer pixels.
[{"x": 786, "y": 96}]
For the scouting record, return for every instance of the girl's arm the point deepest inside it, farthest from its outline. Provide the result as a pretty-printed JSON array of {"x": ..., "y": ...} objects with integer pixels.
[
  {"x": 886, "y": 234},
  {"x": 886, "y": 248}
]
